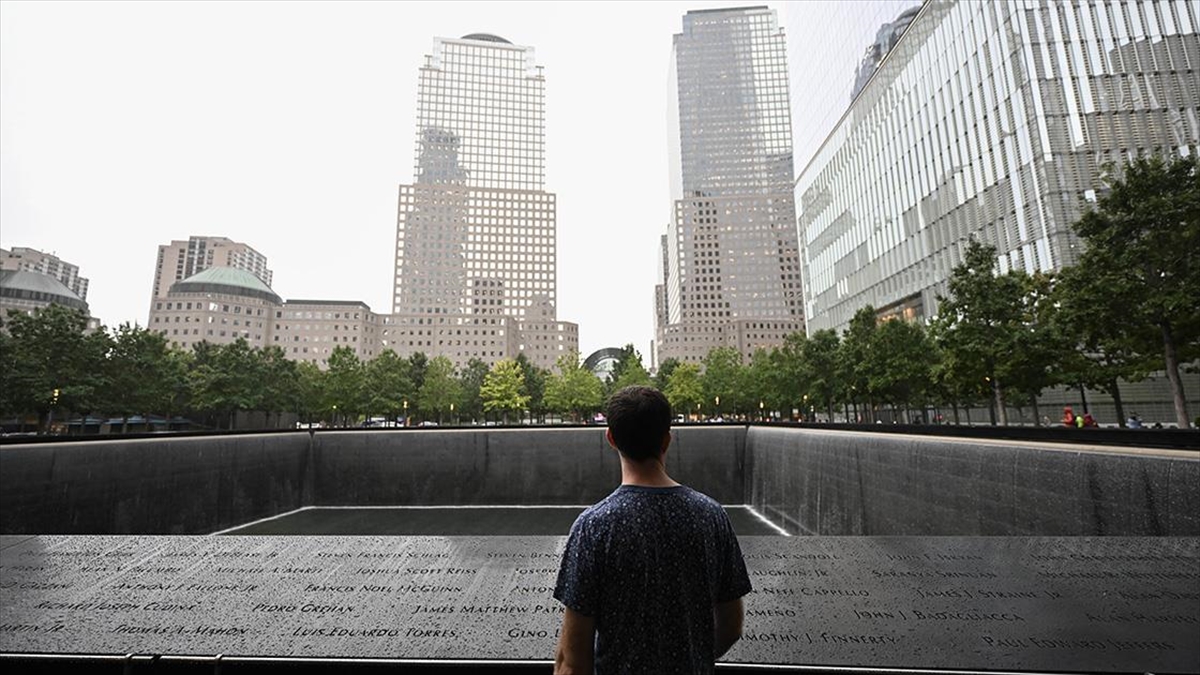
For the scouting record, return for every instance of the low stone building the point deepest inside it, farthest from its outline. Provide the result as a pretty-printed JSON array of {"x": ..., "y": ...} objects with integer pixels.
[{"x": 218, "y": 305}]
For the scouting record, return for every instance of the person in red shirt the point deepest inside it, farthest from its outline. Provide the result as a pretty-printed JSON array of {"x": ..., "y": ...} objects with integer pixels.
[{"x": 1068, "y": 418}]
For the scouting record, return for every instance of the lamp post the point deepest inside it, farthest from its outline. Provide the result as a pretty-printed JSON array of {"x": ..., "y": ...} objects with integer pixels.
[
  {"x": 717, "y": 405},
  {"x": 807, "y": 412},
  {"x": 697, "y": 412},
  {"x": 335, "y": 420},
  {"x": 405, "y": 412},
  {"x": 760, "y": 411},
  {"x": 451, "y": 414}
]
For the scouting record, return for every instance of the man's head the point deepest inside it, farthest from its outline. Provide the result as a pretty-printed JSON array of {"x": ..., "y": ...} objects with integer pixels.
[{"x": 639, "y": 422}]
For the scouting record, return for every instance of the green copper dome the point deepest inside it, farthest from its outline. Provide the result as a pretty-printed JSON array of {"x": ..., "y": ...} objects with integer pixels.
[{"x": 226, "y": 280}]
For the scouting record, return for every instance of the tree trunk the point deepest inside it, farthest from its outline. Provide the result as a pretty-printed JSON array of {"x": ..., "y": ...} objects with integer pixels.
[
  {"x": 1037, "y": 413},
  {"x": 1114, "y": 390},
  {"x": 1172, "y": 359},
  {"x": 1001, "y": 411}
]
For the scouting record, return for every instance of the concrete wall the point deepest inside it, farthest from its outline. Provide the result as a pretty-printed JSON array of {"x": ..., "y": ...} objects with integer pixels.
[
  {"x": 509, "y": 466},
  {"x": 151, "y": 486},
  {"x": 849, "y": 483}
]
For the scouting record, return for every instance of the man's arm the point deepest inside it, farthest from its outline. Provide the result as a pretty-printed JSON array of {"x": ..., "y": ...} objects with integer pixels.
[
  {"x": 576, "y": 643},
  {"x": 727, "y": 626}
]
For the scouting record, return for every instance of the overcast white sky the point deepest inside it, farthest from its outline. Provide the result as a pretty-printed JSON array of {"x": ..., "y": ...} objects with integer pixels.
[{"x": 288, "y": 126}]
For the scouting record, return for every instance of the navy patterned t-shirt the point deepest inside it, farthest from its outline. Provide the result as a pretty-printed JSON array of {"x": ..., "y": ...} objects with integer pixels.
[{"x": 648, "y": 564}]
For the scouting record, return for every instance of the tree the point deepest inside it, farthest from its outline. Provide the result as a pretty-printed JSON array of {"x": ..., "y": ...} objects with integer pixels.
[
  {"x": 791, "y": 376},
  {"x": 1094, "y": 353},
  {"x": 309, "y": 393},
  {"x": 1137, "y": 275},
  {"x": 900, "y": 363},
  {"x": 628, "y": 370},
  {"x": 685, "y": 391},
  {"x": 723, "y": 380},
  {"x": 980, "y": 323},
  {"x": 440, "y": 389},
  {"x": 141, "y": 378},
  {"x": 762, "y": 382},
  {"x": 55, "y": 363},
  {"x": 535, "y": 385},
  {"x": 504, "y": 388},
  {"x": 417, "y": 363},
  {"x": 854, "y": 358},
  {"x": 224, "y": 380},
  {"x": 470, "y": 381},
  {"x": 278, "y": 378},
  {"x": 574, "y": 389},
  {"x": 820, "y": 358},
  {"x": 345, "y": 384},
  {"x": 388, "y": 384},
  {"x": 663, "y": 374},
  {"x": 1040, "y": 344}
]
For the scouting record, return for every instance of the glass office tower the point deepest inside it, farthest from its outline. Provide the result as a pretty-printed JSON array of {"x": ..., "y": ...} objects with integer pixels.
[
  {"x": 475, "y": 237},
  {"x": 731, "y": 263},
  {"x": 991, "y": 120}
]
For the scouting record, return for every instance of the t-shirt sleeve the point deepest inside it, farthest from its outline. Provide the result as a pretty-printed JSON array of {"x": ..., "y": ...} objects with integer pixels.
[
  {"x": 733, "y": 581},
  {"x": 577, "y": 574}
]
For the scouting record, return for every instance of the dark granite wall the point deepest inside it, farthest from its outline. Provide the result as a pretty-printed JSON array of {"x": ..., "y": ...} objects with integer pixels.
[
  {"x": 150, "y": 486},
  {"x": 509, "y": 466},
  {"x": 205, "y": 484},
  {"x": 813, "y": 481},
  {"x": 807, "y": 480}
]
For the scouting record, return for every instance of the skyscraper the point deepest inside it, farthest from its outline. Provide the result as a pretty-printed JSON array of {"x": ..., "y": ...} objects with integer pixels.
[
  {"x": 886, "y": 38},
  {"x": 992, "y": 121},
  {"x": 731, "y": 270},
  {"x": 475, "y": 236}
]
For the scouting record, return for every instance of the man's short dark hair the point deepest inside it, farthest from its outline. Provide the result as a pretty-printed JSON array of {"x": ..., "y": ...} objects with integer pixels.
[{"x": 639, "y": 418}]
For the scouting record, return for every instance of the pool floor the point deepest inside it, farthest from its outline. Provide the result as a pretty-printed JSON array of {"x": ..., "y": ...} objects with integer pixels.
[{"x": 449, "y": 520}]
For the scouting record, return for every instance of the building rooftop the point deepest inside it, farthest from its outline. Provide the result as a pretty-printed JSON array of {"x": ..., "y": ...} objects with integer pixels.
[
  {"x": 330, "y": 303},
  {"x": 485, "y": 37},
  {"x": 226, "y": 280},
  {"x": 22, "y": 284}
]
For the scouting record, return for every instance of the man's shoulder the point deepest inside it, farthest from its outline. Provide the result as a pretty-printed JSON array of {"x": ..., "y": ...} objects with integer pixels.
[{"x": 627, "y": 500}]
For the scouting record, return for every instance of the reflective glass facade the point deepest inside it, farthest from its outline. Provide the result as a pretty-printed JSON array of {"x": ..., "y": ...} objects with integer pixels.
[
  {"x": 475, "y": 235},
  {"x": 992, "y": 120},
  {"x": 731, "y": 254}
]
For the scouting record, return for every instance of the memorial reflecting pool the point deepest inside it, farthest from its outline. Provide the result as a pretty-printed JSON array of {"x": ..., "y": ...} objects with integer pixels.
[{"x": 449, "y": 521}]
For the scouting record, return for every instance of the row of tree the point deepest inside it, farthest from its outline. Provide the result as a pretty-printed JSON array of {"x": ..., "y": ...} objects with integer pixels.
[
  {"x": 1130, "y": 307},
  {"x": 50, "y": 365}
]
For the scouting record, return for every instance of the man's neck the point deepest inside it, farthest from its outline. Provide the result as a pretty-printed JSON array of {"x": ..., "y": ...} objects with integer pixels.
[{"x": 649, "y": 473}]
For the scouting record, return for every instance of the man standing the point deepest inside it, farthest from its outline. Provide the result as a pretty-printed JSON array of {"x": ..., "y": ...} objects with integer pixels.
[{"x": 652, "y": 576}]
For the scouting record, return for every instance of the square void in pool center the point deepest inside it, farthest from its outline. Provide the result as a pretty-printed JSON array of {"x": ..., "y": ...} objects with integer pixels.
[{"x": 451, "y": 520}]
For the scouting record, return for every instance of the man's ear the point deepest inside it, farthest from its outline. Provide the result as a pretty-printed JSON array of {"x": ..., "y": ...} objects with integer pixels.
[
  {"x": 666, "y": 443},
  {"x": 608, "y": 435}
]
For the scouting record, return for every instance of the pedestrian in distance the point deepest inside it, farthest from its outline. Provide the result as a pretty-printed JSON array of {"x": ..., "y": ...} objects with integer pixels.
[
  {"x": 1068, "y": 418},
  {"x": 652, "y": 576}
]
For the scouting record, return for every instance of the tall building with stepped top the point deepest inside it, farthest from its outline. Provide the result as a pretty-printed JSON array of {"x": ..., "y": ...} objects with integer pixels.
[
  {"x": 475, "y": 235},
  {"x": 730, "y": 260}
]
